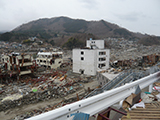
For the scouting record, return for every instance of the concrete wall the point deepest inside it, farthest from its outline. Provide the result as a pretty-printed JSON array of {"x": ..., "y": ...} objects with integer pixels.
[
  {"x": 98, "y": 43},
  {"x": 45, "y": 58},
  {"x": 88, "y": 64},
  {"x": 46, "y": 62},
  {"x": 12, "y": 61},
  {"x": 105, "y": 56},
  {"x": 102, "y": 80},
  {"x": 91, "y": 60}
]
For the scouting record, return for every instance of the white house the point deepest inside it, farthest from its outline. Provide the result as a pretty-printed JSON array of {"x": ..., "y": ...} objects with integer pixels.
[{"x": 94, "y": 57}]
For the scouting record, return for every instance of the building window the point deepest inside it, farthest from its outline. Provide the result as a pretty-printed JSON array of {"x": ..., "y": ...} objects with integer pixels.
[
  {"x": 82, "y": 72},
  {"x": 82, "y": 53},
  {"x": 102, "y": 53},
  {"x": 102, "y": 59},
  {"x": 82, "y": 58},
  {"x": 101, "y": 65}
]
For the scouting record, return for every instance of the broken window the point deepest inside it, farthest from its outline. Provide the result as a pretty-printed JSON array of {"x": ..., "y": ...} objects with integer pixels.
[
  {"x": 102, "y": 53},
  {"x": 101, "y": 65},
  {"x": 102, "y": 59}
]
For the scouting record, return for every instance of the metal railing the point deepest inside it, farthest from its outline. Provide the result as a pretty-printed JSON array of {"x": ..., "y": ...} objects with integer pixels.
[
  {"x": 123, "y": 78},
  {"x": 97, "y": 103}
]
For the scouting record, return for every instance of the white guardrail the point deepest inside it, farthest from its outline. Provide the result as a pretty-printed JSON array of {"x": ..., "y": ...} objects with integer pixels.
[{"x": 97, "y": 103}]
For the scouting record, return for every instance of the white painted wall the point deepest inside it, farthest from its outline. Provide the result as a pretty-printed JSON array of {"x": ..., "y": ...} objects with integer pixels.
[
  {"x": 98, "y": 43},
  {"x": 106, "y": 56},
  {"x": 46, "y": 57},
  {"x": 91, "y": 58},
  {"x": 90, "y": 62}
]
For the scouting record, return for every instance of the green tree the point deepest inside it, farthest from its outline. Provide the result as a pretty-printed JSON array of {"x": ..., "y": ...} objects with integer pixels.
[
  {"x": 73, "y": 43},
  {"x": 6, "y": 36},
  {"x": 52, "y": 42}
]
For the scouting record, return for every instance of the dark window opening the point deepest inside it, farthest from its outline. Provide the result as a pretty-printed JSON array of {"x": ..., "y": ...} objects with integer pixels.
[
  {"x": 82, "y": 72},
  {"x": 102, "y": 59},
  {"x": 102, "y": 53},
  {"x": 82, "y": 53},
  {"x": 14, "y": 60},
  {"x": 101, "y": 65},
  {"x": 82, "y": 58}
]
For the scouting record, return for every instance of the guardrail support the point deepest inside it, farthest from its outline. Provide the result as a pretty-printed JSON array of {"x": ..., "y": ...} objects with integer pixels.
[{"x": 150, "y": 87}]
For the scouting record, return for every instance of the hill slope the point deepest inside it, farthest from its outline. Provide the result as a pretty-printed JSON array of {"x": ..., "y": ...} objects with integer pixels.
[
  {"x": 59, "y": 28},
  {"x": 68, "y": 26}
]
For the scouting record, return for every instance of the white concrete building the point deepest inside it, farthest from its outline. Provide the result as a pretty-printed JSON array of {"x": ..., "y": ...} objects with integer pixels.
[
  {"x": 49, "y": 59},
  {"x": 88, "y": 61}
]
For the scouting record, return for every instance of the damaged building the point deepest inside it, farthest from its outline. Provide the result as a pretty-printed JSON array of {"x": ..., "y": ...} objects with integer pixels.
[
  {"x": 15, "y": 63},
  {"x": 92, "y": 58},
  {"x": 150, "y": 59},
  {"x": 50, "y": 60}
]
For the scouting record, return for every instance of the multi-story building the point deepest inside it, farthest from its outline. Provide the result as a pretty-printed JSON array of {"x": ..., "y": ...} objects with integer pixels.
[
  {"x": 49, "y": 59},
  {"x": 18, "y": 63},
  {"x": 89, "y": 60}
]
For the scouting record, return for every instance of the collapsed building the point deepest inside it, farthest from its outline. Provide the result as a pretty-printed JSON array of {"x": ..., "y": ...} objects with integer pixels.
[
  {"x": 17, "y": 64},
  {"x": 92, "y": 58},
  {"x": 50, "y": 60},
  {"x": 150, "y": 59}
]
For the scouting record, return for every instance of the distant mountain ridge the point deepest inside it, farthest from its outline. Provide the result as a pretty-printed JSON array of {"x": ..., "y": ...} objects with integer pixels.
[
  {"x": 58, "y": 28},
  {"x": 65, "y": 25}
]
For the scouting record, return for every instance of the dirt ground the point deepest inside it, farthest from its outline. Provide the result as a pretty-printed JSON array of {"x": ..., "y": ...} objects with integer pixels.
[{"x": 12, "y": 113}]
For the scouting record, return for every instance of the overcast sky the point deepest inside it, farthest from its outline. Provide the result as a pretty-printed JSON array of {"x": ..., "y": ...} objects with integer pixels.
[{"x": 135, "y": 15}]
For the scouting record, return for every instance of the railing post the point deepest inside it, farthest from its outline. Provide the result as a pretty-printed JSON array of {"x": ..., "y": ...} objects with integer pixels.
[{"x": 150, "y": 87}]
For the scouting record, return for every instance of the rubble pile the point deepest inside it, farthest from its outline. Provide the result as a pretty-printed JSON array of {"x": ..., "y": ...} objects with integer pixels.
[
  {"x": 130, "y": 51},
  {"x": 33, "y": 90},
  {"x": 146, "y": 102}
]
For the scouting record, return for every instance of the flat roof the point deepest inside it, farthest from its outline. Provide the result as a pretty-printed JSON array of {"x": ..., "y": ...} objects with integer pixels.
[
  {"x": 110, "y": 76},
  {"x": 49, "y": 53}
]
